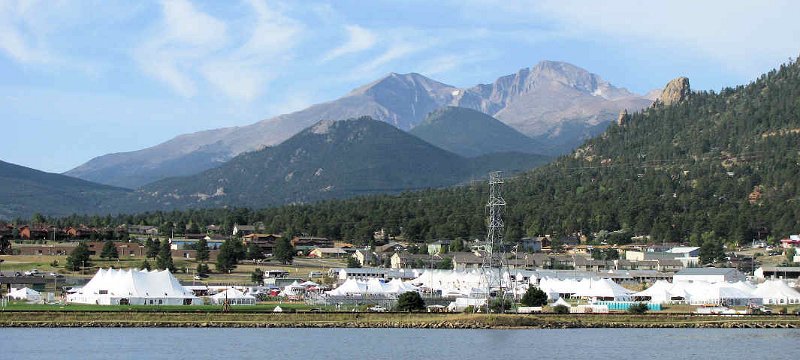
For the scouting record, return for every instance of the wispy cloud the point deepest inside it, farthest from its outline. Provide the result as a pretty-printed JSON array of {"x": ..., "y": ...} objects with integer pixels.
[
  {"x": 186, "y": 35},
  {"x": 359, "y": 39},
  {"x": 244, "y": 73},
  {"x": 193, "y": 43},
  {"x": 20, "y": 38},
  {"x": 452, "y": 62}
]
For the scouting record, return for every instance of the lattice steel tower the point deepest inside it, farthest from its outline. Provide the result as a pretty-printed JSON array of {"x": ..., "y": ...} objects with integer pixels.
[
  {"x": 493, "y": 260},
  {"x": 495, "y": 206}
]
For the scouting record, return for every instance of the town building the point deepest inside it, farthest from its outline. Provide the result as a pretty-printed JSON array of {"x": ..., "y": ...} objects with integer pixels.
[{"x": 711, "y": 275}]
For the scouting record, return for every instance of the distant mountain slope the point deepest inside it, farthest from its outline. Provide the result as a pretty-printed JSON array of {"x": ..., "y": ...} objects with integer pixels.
[
  {"x": 553, "y": 102},
  {"x": 558, "y": 103},
  {"x": 471, "y": 133},
  {"x": 332, "y": 159},
  {"x": 24, "y": 191},
  {"x": 399, "y": 99}
]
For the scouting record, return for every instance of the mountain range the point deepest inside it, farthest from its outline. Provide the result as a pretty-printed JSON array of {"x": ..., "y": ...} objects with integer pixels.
[
  {"x": 557, "y": 104},
  {"x": 704, "y": 168},
  {"x": 331, "y": 159}
]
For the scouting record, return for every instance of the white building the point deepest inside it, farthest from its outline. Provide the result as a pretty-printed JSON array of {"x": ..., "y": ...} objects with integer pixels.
[{"x": 711, "y": 275}]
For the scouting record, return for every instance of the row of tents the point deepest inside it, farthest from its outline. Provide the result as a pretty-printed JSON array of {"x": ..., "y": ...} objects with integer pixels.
[
  {"x": 353, "y": 287},
  {"x": 770, "y": 292}
]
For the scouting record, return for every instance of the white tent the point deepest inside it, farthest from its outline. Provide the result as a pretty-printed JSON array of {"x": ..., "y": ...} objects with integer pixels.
[
  {"x": 777, "y": 292},
  {"x": 294, "y": 289},
  {"x": 353, "y": 287},
  {"x": 602, "y": 289},
  {"x": 134, "y": 287},
  {"x": 234, "y": 297},
  {"x": 26, "y": 294},
  {"x": 658, "y": 293},
  {"x": 592, "y": 288},
  {"x": 562, "y": 302}
]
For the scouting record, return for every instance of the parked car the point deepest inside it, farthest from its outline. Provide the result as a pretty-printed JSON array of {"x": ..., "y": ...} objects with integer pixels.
[
  {"x": 377, "y": 309},
  {"x": 32, "y": 272},
  {"x": 56, "y": 275}
]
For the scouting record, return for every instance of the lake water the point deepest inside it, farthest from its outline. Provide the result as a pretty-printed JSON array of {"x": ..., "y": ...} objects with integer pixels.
[{"x": 161, "y": 343}]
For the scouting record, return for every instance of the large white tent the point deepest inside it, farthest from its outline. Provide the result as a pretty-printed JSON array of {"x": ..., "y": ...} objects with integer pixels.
[
  {"x": 658, "y": 293},
  {"x": 353, "y": 287},
  {"x": 700, "y": 293},
  {"x": 26, "y": 294},
  {"x": 777, "y": 292},
  {"x": 234, "y": 297},
  {"x": 604, "y": 289},
  {"x": 134, "y": 287}
]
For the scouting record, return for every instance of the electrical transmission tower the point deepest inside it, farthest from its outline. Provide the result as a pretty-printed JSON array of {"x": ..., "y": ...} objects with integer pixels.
[{"x": 494, "y": 259}]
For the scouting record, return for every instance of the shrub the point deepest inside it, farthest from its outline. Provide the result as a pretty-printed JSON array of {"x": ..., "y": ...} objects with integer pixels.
[
  {"x": 561, "y": 309},
  {"x": 638, "y": 308},
  {"x": 500, "y": 305},
  {"x": 534, "y": 297},
  {"x": 410, "y": 301}
]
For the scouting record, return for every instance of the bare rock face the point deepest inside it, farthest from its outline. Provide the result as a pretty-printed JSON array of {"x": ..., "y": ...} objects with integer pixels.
[
  {"x": 676, "y": 91},
  {"x": 623, "y": 117}
]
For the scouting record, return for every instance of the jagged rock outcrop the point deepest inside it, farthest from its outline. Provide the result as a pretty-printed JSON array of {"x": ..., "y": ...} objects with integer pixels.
[
  {"x": 676, "y": 91},
  {"x": 623, "y": 117}
]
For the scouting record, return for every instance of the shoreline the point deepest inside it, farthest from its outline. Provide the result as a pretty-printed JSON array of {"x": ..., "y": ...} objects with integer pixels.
[{"x": 393, "y": 320}]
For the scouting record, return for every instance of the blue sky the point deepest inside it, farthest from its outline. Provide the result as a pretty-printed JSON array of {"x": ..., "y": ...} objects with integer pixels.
[{"x": 79, "y": 79}]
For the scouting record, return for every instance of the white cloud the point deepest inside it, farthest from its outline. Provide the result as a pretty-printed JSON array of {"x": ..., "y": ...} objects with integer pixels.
[
  {"x": 450, "y": 62},
  {"x": 359, "y": 39},
  {"x": 394, "y": 52},
  {"x": 185, "y": 36},
  {"x": 244, "y": 73},
  {"x": 20, "y": 37},
  {"x": 191, "y": 43}
]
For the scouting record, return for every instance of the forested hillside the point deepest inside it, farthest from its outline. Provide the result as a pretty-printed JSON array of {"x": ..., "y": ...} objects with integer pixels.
[
  {"x": 720, "y": 166},
  {"x": 25, "y": 191}
]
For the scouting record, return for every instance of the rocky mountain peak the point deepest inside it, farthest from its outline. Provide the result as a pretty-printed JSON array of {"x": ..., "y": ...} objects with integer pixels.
[{"x": 677, "y": 90}]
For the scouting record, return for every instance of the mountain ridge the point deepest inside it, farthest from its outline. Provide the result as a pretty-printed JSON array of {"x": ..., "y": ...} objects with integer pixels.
[
  {"x": 24, "y": 191},
  {"x": 402, "y": 100},
  {"x": 330, "y": 159}
]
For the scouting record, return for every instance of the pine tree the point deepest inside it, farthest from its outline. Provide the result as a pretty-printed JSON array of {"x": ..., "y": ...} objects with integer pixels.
[
  {"x": 284, "y": 251},
  {"x": 164, "y": 258},
  {"x": 202, "y": 250},
  {"x": 153, "y": 249},
  {"x": 78, "y": 258},
  {"x": 227, "y": 256},
  {"x": 109, "y": 250}
]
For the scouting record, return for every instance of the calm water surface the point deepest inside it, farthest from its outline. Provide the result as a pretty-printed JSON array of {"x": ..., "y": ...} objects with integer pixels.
[{"x": 617, "y": 344}]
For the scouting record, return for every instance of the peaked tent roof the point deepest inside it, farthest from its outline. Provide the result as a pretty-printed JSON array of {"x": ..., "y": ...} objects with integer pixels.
[
  {"x": 25, "y": 294},
  {"x": 136, "y": 283}
]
